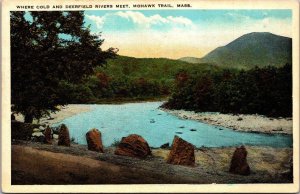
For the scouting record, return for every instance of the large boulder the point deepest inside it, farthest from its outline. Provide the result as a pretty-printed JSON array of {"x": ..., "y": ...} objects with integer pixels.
[
  {"x": 64, "y": 136},
  {"x": 133, "y": 146},
  {"x": 182, "y": 153},
  {"x": 48, "y": 135},
  {"x": 239, "y": 163},
  {"x": 94, "y": 141}
]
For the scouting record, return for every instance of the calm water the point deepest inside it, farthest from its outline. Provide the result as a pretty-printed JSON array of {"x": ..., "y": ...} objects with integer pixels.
[{"x": 158, "y": 127}]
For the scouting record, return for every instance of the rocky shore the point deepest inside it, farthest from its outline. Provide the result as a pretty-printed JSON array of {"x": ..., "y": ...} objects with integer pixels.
[
  {"x": 37, "y": 163},
  {"x": 240, "y": 122}
]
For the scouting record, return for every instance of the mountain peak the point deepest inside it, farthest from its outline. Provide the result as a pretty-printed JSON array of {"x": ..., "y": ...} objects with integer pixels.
[{"x": 252, "y": 49}]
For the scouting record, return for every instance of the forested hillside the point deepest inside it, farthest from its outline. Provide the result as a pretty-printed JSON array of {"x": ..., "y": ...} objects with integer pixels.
[
  {"x": 134, "y": 78},
  {"x": 266, "y": 91}
]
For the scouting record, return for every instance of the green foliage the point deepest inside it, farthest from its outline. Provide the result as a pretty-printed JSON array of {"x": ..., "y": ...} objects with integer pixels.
[
  {"x": 132, "y": 78},
  {"x": 53, "y": 47},
  {"x": 75, "y": 93},
  {"x": 266, "y": 91},
  {"x": 22, "y": 131},
  {"x": 151, "y": 68},
  {"x": 140, "y": 77}
]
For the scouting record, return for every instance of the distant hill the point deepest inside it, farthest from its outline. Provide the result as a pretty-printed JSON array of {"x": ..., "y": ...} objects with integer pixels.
[
  {"x": 190, "y": 59},
  {"x": 151, "y": 68},
  {"x": 253, "y": 49}
]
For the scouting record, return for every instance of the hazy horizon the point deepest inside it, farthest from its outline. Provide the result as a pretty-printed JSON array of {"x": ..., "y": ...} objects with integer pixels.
[
  {"x": 141, "y": 57},
  {"x": 181, "y": 33},
  {"x": 175, "y": 34}
]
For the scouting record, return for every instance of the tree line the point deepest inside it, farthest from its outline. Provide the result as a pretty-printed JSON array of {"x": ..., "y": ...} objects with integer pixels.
[
  {"x": 129, "y": 79},
  {"x": 104, "y": 86},
  {"x": 266, "y": 91}
]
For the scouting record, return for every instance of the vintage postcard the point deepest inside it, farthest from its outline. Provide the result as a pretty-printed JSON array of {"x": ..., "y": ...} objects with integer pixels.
[{"x": 150, "y": 96}]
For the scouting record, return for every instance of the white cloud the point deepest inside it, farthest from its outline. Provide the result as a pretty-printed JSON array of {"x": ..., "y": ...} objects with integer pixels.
[
  {"x": 99, "y": 21},
  {"x": 141, "y": 20},
  {"x": 180, "y": 20},
  {"x": 238, "y": 16}
]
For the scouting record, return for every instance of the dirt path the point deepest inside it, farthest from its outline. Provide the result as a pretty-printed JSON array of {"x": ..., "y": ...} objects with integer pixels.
[{"x": 36, "y": 163}]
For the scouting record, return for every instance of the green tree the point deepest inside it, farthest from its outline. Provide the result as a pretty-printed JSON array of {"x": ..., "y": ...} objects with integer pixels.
[
  {"x": 266, "y": 91},
  {"x": 53, "y": 47}
]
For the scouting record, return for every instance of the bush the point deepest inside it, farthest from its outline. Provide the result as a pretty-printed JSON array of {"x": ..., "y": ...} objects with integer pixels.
[{"x": 22, "y": 131}]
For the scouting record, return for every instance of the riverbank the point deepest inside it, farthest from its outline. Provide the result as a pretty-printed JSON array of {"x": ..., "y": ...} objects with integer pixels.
[
  {"x": 73, "y": 109},
  {"x": 64, "y": 112},
  {"x": 37, "y": 163},
  {"x": 240, "y": 122}
]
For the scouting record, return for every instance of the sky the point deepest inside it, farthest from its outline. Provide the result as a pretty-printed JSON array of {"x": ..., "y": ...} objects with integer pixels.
[{"x": 180, "y": 33}]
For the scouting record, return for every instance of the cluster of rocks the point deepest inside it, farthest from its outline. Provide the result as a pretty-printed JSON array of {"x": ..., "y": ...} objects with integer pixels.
[
  {"x": 181, "y": 151},
  {"x": 44, "y": 134}
]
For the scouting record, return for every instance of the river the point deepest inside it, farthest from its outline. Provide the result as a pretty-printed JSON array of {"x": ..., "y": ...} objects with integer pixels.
[{"x": 158, "y": 127}]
